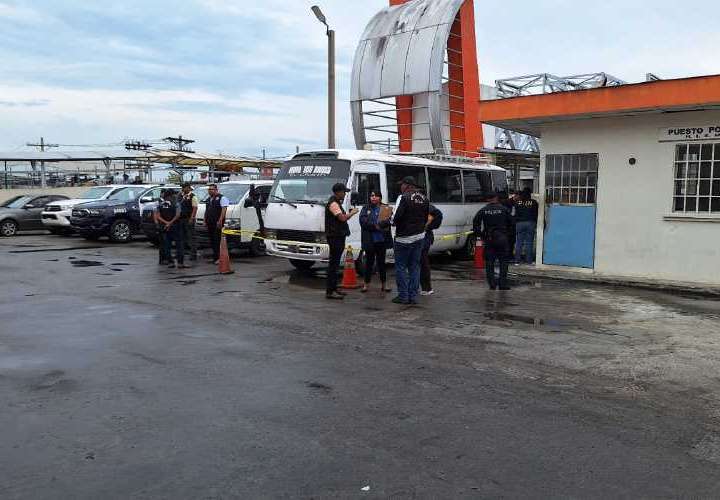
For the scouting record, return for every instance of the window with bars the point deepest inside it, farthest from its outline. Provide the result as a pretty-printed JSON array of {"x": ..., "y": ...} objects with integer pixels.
[
  {"x": 571, "y": 179},
  {"x": 697, "y": 178}
]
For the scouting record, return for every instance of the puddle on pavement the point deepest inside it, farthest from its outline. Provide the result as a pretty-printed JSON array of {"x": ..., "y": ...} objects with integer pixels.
[
  {"x": 67, "y": 249},
  {"x": 86, "y": 263}
]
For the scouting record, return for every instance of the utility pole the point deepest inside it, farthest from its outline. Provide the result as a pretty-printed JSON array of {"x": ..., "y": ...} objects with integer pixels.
[
  {"x": 42, "y": 145},
  {"x": 137, "y": 146},
  {"x": 180, "y": 144}
]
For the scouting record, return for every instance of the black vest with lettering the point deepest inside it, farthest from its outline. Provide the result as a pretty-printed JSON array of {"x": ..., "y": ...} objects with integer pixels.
[
  {"x": 186, "y": 206},
  {"x": 334, "y": 227},
  {"x": 166, "y": 209},
  {"x": 213, "y": 209},
  {"x": 414, "y": 217}
]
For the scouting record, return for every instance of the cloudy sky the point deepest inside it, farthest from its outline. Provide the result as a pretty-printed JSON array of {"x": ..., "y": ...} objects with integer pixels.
[{"x": 242, "y": 75}]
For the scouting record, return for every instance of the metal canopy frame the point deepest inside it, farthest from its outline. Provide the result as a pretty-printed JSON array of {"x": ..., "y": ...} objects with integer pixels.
[{"x": 546, "y": 83}]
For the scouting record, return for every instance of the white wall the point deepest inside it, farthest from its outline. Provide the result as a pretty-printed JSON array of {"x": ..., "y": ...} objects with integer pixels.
[
  {"x": 72, "y": 192},
  {"x": 633, "y": 238}
]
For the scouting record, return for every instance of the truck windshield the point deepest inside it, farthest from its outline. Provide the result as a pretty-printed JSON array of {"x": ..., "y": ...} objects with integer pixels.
[
  {"x": 308, "y": 181},
  {"x": 95, "y": 193},
  {"x": 128, "y": 193}
]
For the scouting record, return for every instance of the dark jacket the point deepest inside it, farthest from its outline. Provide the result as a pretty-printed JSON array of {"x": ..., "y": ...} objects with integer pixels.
[
  {"x": 436, "y": 223},
  {"x": 493, "y": 224},
  {"x": 411, "y": 214},
  {"x": 366, "y": 237},
  {"x": 526, "y": 210}
]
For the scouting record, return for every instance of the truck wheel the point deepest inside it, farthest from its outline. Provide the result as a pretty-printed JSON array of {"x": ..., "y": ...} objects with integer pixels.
[
  {"x": 8, "y": 228},
  {"x": 467, "y": 252},
  {"x": 257, "y": 248},
  {"x": 120, "y": 231},
  {"x": 302, "y": 265}
]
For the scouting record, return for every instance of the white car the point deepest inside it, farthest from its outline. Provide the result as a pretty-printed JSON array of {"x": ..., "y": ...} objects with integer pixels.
[
  {"x": 56, "y": 215},
  {"x": 239, "y": 216}
]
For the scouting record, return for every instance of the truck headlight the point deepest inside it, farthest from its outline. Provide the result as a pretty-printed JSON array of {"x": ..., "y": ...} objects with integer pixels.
[
  {"x": 271, "y": 234},
  {"x": 320, "y": 238},
  {"x": 94, "y": 211},
  {"x": 232, "y": 223}
]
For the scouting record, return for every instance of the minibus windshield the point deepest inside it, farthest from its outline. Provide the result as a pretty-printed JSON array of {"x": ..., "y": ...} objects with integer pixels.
[{"x": 308, "y": 181}]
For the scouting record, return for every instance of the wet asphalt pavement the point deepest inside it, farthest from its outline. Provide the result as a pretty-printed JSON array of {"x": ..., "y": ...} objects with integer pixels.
[{"x": 120, "y": 379}]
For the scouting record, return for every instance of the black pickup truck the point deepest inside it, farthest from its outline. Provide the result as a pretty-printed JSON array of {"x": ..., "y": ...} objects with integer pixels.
[{"x": 118, "y": 217}]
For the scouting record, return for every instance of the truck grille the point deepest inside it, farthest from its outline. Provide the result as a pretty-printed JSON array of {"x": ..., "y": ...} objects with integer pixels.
[{"x": 294, "y": 235}]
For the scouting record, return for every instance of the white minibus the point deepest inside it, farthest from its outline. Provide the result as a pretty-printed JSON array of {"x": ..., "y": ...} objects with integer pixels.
[{"x": 296, "y": 208}]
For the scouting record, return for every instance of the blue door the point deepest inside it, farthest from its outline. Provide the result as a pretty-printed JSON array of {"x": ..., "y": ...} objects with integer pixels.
[{"x": 571, "y": 187}]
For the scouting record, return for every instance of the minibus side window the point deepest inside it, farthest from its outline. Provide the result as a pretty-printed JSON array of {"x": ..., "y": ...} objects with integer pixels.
[
  {"x": 366, "y": 184},
  {"x": 445, "y": 185},
  {"x": 478, "y": 186},
  {"x": 500, "y": 183},
  {"x": 396, "y": 173}
]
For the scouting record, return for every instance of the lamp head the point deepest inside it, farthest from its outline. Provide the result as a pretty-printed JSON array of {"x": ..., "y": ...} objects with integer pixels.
[{"x": 319, "y": 14}]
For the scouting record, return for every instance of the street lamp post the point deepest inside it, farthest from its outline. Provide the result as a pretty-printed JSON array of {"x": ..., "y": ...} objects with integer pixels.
[{"x": 331, "y": 75}]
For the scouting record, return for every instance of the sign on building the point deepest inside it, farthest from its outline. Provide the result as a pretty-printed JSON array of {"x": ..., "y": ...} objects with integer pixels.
[{"x": 683, "y": 134}]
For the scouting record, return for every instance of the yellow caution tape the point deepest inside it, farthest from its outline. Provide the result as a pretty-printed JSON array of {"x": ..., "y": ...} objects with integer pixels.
[{"x": 256, "y": 235}]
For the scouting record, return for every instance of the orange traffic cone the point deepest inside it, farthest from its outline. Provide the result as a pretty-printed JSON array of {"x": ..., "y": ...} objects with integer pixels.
[
  {"x": 224, "y": 267},
  {"x": 479, "y": 254},
  {"x": 350, "y": 281}
]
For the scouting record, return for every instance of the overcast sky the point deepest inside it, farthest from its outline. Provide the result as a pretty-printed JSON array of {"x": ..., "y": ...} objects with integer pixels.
[{"x": 246, "y": 74}]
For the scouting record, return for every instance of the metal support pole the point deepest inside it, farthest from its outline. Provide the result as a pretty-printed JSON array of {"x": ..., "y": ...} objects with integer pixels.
[{"x": 331, "y": 89}]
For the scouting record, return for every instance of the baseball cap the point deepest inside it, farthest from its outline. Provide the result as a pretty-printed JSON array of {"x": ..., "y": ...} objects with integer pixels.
[{"x": 340, "y": 187}]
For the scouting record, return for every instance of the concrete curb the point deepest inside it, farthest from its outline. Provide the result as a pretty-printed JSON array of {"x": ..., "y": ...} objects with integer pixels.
[{"x": 664, "y": 286}]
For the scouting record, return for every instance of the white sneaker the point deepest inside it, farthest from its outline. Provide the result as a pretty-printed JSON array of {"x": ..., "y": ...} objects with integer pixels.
[{"x": 429, "y": 292}]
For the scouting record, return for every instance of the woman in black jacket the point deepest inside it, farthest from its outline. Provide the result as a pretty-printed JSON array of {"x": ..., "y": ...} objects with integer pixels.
[{"x": 375, "y": 239}]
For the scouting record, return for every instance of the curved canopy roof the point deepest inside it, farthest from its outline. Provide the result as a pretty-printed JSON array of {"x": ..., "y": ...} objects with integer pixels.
[{"x": 392, "y": 57}]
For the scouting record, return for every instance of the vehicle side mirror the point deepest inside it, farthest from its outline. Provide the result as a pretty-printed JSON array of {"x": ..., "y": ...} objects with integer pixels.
[
  {"x": 354, "y": 199},
  {"x": 146, "y": 199},
  {"x": 29, "y": 206}
]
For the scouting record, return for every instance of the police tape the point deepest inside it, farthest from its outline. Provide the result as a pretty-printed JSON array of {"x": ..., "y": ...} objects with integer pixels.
[{"x": 256, "y": 235}]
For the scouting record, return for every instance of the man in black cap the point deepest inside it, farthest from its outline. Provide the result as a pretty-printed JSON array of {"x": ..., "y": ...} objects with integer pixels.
[
  {"x": 167, "y": 215},
  {"x": 336, "y": 231},
  {"x": 492, "y": 225},
  {"x": 188, "y": 211},
  {"x": 410, "y": 219}
]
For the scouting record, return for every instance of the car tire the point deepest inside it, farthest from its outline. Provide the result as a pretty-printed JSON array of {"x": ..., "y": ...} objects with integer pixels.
[
  {"x": 8, "y": 228},
  {"x": 121, "y": 231},
  {"x": 467, "y": 252},
  {"x": 302, "y": 265}
]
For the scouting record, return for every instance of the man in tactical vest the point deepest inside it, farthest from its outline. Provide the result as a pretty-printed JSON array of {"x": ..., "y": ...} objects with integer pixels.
[
  {"x": 168, "y": 217},
  {"x": 336, "y": 231},
  {"x": 188, "y": 211},
  {"x": 492, "y": 225},
  {"x": 410, "y": 220},
  {"x": 215, "y": 211}
]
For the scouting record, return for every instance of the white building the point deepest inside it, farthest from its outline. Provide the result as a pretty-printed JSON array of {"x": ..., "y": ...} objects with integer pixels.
[{"x": 630, "y": 177}]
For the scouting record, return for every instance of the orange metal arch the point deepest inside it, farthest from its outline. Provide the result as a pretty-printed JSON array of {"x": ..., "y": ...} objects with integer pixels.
[{"x": 466, "y": 137}]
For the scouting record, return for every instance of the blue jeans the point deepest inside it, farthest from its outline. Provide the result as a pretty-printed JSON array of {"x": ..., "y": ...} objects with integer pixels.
[
  {"x": 407, "y": 269},
  {"x": 525, "y": 241}
]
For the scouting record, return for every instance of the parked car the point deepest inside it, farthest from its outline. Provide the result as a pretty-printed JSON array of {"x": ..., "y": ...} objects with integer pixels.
[
  {"x": 23, "y": 213},
  {"x": 56, "y": 216},
  {"x": 117, "y": 217},
  {"x": 10, "y": 200},
  {"x": 238, "y": 215}
]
